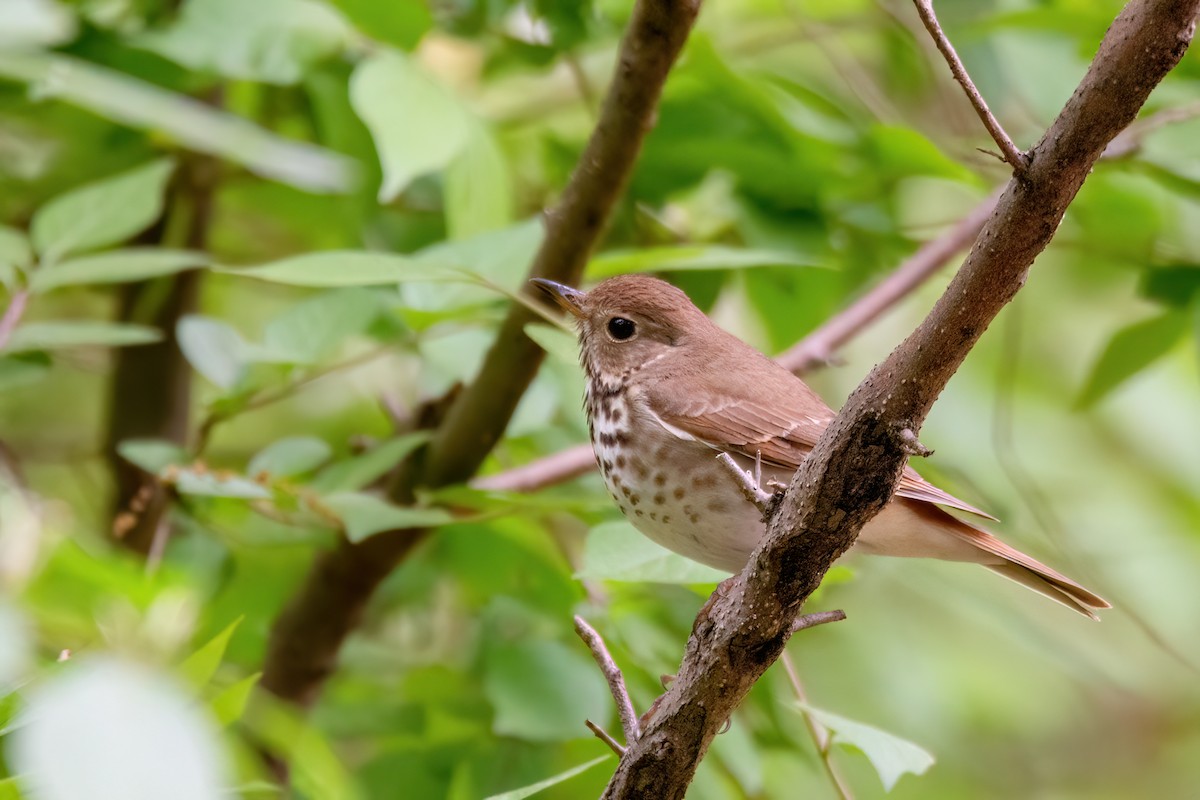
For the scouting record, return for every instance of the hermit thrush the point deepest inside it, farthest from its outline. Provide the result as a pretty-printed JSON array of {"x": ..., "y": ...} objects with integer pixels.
[{"x": 668, "y": 391}]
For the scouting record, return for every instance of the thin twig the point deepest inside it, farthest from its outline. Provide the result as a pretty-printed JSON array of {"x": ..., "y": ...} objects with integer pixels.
[
  {"x": 553, "y": 469},
  {"x": 12, "y": 315},
  {"x": 612, "y": 673},
  {"x": 605, "y": 737},
  {"x": 819, "y": 733},
  {"x": 1018, "y": 160},
  {"x": 266, "y": 398}
]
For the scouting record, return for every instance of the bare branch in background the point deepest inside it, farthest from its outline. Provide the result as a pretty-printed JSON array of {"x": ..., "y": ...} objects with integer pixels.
[
  {"x": 852, "y": 472},
  {"x": 309, "y": 633}
]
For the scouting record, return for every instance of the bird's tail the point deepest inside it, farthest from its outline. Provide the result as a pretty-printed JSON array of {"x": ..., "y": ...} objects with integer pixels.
[{"x": 1029, "y": 572}]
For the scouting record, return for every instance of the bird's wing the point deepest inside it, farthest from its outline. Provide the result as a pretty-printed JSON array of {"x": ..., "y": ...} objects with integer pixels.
[{"x": 782, "y": 435}]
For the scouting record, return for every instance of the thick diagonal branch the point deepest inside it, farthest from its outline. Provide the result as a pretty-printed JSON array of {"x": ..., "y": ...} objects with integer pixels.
[
  {"x": 308, "y": 635},
  {"x": 853, "y": 470}
]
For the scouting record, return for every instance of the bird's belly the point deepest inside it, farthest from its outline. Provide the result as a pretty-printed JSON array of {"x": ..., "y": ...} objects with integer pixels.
[{"x": 678, "y": 495}]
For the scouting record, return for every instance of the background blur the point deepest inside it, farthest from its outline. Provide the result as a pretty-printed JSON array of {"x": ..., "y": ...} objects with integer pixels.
[{"x": 803, "y": 149}]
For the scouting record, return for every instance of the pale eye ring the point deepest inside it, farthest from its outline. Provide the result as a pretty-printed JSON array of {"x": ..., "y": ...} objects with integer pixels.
[{"x": 621, "y": 328}]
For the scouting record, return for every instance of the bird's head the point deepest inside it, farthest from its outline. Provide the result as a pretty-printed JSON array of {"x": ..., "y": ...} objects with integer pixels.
[{"x": 628, "y": 322}]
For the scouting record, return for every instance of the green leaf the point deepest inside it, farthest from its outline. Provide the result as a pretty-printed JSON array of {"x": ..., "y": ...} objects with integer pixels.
[
  {"x": 690, "y": 257},
  {"x": 15, "y": 250},
  {"x": 359, "y": 471},
  {"x": 365, "y": 514},
  {"x": 500, "y": 258},
  {"x": 214, "y": 349},
  {"x": 1130, "y": 351},
  {"x": 534, "y": 788},
  {"x": 66, "y": 334},
  {"x": 156, "y": 741},
  {"x": 199, "y": 668},
  {"x": 617, "y": 551},
  {"x": 269, "y": 41},
  {"x": 230, "y": 704},
  {"x": 401, "y": 22},
  {"x": 478, "y": 187},
  {"x": 334, "y": 268},
  {"x": 101, "y": 213},
  {"x": 188, "y": 122},
  {"x": 291, "y": 456},
  {"x": 890, "y": 755},
  {"x": 543, "y": 690},
  {"x": 152, "y": 455},
  {"x": 313, "y": 328},
  {"x": 9, "y": 789},
  {"x": 117, "y": 266},
  {"x": 418, "y": 126},
  {"x": 555, "y": 341},
  {"x": 22, "y": 370},
  {"x": 216, "y": 484}
]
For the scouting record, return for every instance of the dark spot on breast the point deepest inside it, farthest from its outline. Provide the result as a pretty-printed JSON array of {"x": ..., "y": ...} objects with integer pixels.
[
  {"x": 640, "y": 513},
  {"x": 687, "y": 510},
  {"x": 654, "y": 516},
  {"x": 625, "y": 490},
  {"x": 679, "y": 493},
  {"x": 704, "y": 480},
  {"x": 660, "y": 479},
  {"x": 659, "y": 498},
  {"x": 616, "y": 479},
  {"x": 617, "y": 415},
  {"x": 605, "y": 466},
  {"x": 635, "y": 499},
  {"x": 718, "y": 506},
  {"x": 640, "y": 468},
  {"x": 620, "y": 462},
  {"x": 666, "y": 519},
  {"x": 694, "y": 518}
]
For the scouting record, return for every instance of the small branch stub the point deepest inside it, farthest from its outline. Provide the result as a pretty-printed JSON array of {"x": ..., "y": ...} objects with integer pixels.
[
  {"x": 910, "y": 444},
  {"x": 805, "y": 621}
]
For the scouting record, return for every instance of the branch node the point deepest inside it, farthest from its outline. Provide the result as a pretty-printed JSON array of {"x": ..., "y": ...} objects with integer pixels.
[
  {"x": 616, "y": 681},
  {"x": 819, "y": 618},
  {"x": 911, "y": 445}
]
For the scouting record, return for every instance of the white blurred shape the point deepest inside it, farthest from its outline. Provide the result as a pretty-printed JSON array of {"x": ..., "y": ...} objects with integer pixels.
[{"x": 110, "y": 730}]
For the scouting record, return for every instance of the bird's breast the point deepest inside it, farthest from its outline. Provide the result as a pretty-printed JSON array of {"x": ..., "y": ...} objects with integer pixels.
[{"x": 673, "y": 490}]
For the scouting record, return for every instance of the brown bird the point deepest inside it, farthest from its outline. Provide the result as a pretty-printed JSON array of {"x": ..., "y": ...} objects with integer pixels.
[{"x": 668, "y": 391}]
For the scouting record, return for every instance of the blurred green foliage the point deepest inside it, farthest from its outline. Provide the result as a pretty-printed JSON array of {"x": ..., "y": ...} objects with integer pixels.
[{"x": 355, "y": 186}]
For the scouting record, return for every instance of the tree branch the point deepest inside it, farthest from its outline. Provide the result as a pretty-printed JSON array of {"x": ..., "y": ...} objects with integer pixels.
[
  {"x": 1011, "y": 153},
  {"x": 852, "y": 472},
  {"x": 612, "y": 673},
  {"x": 306, "y": 638}
]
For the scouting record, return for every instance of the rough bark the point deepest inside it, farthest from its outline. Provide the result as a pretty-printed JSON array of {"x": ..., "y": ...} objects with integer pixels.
[{"x": 852, "y": 472}]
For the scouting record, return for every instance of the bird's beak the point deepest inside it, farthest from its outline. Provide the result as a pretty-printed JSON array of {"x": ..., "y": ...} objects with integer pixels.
[{"x": 570, "y": 299}]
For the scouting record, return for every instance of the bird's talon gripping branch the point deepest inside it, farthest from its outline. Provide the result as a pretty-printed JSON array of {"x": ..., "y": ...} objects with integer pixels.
[{"x": 751, "y": 489}]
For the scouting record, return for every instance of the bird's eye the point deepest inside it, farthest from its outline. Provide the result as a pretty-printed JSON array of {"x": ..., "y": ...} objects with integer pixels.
[{"x": 620, "y": 328}]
